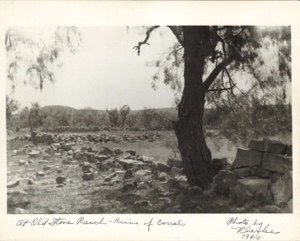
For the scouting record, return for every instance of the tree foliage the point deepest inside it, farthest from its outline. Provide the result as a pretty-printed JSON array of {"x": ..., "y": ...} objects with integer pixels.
[
  {"x": 11, "y": 107},
  {"x": 36, "y": 56},
  {"x": 245, "y": 67}
]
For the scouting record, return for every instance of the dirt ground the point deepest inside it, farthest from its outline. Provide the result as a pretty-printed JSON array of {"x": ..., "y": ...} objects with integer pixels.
[{"x": 110, "y": 191}]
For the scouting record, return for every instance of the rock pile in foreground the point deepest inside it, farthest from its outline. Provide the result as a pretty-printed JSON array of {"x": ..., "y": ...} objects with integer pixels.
[{"x": 261, "y": 173}]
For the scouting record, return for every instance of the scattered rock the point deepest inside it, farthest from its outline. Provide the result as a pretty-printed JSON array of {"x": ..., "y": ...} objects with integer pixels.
[
  {"x": 131, "y": 152},
  {"x": 224, "y": 180},
  {"x": 12, "y": 184},
  {"x": 243, "y": 172},
  {"x": 22, "y": 162},
  {"x": 247, "y": 158},
  {"x": 33, "y": 153},
  {"x": 175, "y": 172},
  {"x": 163, "y": 177},
  {"x": 45, "y": 168},
  {"x": 289, "y": 150},
  {"x": 88, "y": 176},
  {"x": 220, "y": 164},
  {"x": 145, "y": 159},
  {"x": 61, "y": 179},
  {"x": 31, "y": 182},
  {"x": 128, "y": 187},
  {"x": 277, "y": 163},
  {"x": 172, "y": 162},
  {"x": 290, "y": 205},
  {"x": 106, "y": 151},
  {"x": 128, "y": 174},
  {"x": 275, "y": 176},
  {"x": 66, "y": 146},
  {"x": 254, "y": 185},
  {"x": 42, "y": 161},
  {"x": 161, "y": 167},
  {"x": 263, "y": 197},
  {"x": 260, "y": 172},
  {"x": 142, "y": 203},
  {"x": 270, "y": 146},
  {"x": 40, "y": 174},
  {"x": 30, "y": 161},
  {"x": 129, "y": 163},
  {"x": 258, "y": 145},
  {"x": 240, "y": 195},
  {"x": 195, "y": 190},
  {"x": 118, "y": 151},
  {"x": 101, "y": 157},
  {"x": 282, "y": 190},
  {"x": 276, "y": 147},
  {"x": 20, "y": 211}
]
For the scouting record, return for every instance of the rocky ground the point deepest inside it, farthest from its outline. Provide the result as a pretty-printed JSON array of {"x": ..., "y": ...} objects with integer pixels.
[{"x": 67, "y": 174}]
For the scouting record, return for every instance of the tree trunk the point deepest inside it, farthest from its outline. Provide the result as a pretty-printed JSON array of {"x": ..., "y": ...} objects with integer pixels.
[{"x": 195, "y": 154}]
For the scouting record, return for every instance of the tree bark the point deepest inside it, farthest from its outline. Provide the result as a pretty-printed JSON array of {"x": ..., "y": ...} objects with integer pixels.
[{"x": 195, "y": 154}]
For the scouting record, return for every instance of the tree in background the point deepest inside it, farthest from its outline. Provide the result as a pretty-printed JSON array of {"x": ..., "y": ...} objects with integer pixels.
[
  {"x": 117, "y": 118},
  {"x": 211, "y": 57},
  {"x": 11, "y": 107},
  {"x": 124, "y": 112},
  {"x": 113, "y": 116}
]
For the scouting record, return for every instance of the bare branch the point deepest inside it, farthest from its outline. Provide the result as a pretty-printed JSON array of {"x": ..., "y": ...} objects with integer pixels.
[
  {"x": 138, "y": 47},
  {"x": 211, "y": 78},
  {"x": 222, "y": 89}
]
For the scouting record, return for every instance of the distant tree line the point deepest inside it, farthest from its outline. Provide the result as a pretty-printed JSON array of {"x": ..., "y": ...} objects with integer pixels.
[
  {"x": 239, "y": 121},
  {"x": 58, "y": 116}
]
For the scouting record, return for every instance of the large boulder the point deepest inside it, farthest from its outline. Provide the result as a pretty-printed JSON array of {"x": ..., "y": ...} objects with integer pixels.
[
  {"x": 260, "y": 172},
  {"x": 265, "y": 145},
  {"x": 282, "y": 190},
  {"x": 243, "y": 172},
  {"x": 277, "y": 163},
  {"x": 276, "y": 147},
  {"x": 220, "y": 164},
  {"x": 240, "y": 196},
  {"x": 254, "y": 185},
  {"x": 225, "y": 180},
  {"x": 257, "y": 145},
  {"x": 247, "y": 158}
]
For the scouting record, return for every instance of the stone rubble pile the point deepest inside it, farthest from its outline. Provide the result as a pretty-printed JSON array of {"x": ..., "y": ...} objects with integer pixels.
[
  {"x": 47, "y": 138},
  {"x": 261, "y": 173}
]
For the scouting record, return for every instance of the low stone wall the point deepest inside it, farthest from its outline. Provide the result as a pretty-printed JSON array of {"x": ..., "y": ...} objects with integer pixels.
[
  {"x": 261, "y": 173},
  {"x": 48, "y": 138}
]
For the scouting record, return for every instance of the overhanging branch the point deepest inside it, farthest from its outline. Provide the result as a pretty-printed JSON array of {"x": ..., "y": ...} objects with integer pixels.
[
  {"x": 138, "y": 47},
  {"x": 213, "y": 75}
]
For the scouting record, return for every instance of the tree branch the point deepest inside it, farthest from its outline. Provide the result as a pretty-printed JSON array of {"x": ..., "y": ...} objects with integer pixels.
[
  {"x": 211, "y": 78},
  {"x": 222, "y": 89},
  {"x": 138, "y": 47},
  {"x": 177, "y": 31}
]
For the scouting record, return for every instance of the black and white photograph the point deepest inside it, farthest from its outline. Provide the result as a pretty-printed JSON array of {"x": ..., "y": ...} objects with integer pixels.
[{"x": 121, "y": 121}]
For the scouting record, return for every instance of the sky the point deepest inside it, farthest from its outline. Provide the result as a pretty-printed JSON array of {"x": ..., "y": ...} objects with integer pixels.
[{"x": 106, "y": 72}]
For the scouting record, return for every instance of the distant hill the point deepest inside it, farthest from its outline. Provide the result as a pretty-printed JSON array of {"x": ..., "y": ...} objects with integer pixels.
[{"x": 55, "y": 108}]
